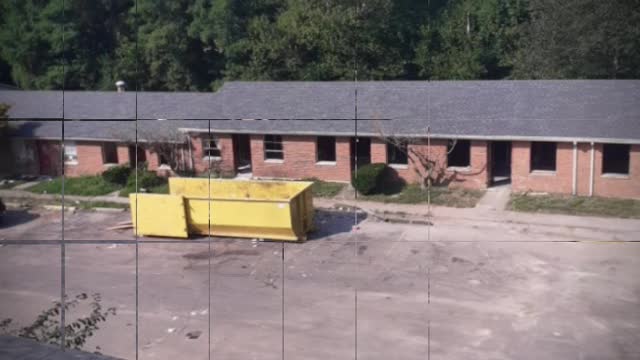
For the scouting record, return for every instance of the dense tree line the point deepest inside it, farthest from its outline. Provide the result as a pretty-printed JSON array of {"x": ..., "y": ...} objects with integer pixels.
[{"x": 197, "y": 44}]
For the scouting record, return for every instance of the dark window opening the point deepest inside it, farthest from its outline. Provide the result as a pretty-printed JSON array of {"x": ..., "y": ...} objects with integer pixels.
[
  {"x": 326, "y": 148},
  {"x": 615, "y": 159},
  {"x": 109, "y": 153},
  {"x": 273, "y": 147},
  {"x": 459, "y": 153},
  {"x": 397, "y": 154},
  {"x": 543, "y": 156},
  {"x": 162, "y": 160},
  {"x": 210, "y": 147}
]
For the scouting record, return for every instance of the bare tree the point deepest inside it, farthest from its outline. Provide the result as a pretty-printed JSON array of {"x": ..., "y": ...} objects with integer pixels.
[{"x": 429, "y": 168}]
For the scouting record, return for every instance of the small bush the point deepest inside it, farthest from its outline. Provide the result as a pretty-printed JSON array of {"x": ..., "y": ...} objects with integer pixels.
[
  {"x": 117, "y": 175},
  {"x": 369, "y": 178},
  {"x": 147, "y": 180}
]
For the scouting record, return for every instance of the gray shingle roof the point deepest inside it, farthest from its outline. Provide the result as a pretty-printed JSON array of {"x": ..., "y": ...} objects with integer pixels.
[{"x": 558, "y": 109}]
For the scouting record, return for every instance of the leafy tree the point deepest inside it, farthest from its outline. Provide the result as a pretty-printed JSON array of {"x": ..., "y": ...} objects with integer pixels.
[
  {"x": 471, "y": 39},
  {"x": 580, "y": 39}
]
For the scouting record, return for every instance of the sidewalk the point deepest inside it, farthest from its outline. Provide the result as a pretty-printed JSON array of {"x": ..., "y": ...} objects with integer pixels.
[
  {"x": 420, "y": 211},
  {"x": 440, "y": 214},
  {"x": 13, "y": 194}
]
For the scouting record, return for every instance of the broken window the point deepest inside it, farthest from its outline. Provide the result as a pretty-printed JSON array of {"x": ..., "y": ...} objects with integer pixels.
[
  {"x": 397, "y": 153},
  {"x": 70, "y": 152},
  {"x": 273, "y": 147},
  {"x": 543, "y": 156},
  {"x": 459, "y": 153},
  {"x": 326, "y": 148},
  {"x": 615, "y": 159},
  {"x": 162, "y": 160},
  {"x": 211, "y": 147},
  {"x": 109, "y": 153}
]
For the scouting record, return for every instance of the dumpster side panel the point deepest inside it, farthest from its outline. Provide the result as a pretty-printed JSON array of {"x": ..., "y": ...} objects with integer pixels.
[{"x": 158, "y": 215}]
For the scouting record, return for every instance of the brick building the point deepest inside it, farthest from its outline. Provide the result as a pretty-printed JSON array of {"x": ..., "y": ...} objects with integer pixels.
[{"x": 574, "y": 137}]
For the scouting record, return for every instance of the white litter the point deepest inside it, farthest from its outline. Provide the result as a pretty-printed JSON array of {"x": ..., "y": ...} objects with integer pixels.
[
  {"x": 204, "y": 312},
  {"x": 174, "y": 318},
  {"x": 193, "y": 313},
  {"x": 171, "y": 330}
]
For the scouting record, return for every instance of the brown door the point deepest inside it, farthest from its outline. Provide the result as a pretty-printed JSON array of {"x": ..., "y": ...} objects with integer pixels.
[{"x": 49, "y": 158}]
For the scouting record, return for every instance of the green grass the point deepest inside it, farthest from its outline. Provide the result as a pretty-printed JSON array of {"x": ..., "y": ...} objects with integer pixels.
[
  {"x": 442, "y": 196},
  {"x": 88, "y": 205},
  {"x": 159, "y": 189},
  {"x": 576, "y": 205},
  {"x": 82, "y": 186},
  {"x": 325, "y": 189}
]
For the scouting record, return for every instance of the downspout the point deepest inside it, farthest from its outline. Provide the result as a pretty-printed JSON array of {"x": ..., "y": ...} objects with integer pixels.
[
  {"x": 190, "y": 152},
  {"x": 593, "y": 169},
  {"x": 575, "y": 168}
]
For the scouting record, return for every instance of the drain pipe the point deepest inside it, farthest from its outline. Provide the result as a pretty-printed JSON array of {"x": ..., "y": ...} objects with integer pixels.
[
  {"x": 575, "y": 167},
  {"x": 593, "y": 170}
]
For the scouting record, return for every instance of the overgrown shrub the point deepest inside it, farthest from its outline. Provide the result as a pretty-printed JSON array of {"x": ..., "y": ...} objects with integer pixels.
[
  {"x": 117, "y": 174},
  {"x": 369, "y": 178},
  {"x": 146, "y": 179}
]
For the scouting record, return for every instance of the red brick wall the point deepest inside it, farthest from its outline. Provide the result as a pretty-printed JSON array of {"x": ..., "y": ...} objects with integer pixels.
[
  {"x": 474, "y": 177},
  {"x": 300, "y": 160},
  {"x": 618, "y": 186},
  {"x": 227, "y": 161},
  {"x": 123, "y": 154},
  {"x": 522, "y": 179},
  {"x": 562, "y": 180}
]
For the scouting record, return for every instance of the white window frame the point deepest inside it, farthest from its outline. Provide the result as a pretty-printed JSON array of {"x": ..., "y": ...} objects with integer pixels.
[
  {"x": 206, "y": 146},
  {"x": 266, "y": 151},
  {"x": 70, "y": 149}
]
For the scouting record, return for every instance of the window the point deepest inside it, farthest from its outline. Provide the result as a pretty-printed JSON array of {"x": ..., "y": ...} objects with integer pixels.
[
  {"x": 109, "y": 153},
  {"x": 70, "y": 152},
  {"x": 326, "y": 148},
  {"x": 273, "y": 147},
  {"x": 397, "y": 154},
  {"x": 543, "y": 156},
  {"x": 459, "y": 153},
  {"x": 162, "y": 160},
  {"x": 615, "y": 159},
  {"x": 211, "y": 147}
]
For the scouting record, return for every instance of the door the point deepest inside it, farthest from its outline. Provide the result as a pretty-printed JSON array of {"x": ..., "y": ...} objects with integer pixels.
[
  {"x": 242, "y": 152},
  {"x": 141, "y": 155},
  {"x": 360, "y": 151},
  {"x": 500, "y": 162}
]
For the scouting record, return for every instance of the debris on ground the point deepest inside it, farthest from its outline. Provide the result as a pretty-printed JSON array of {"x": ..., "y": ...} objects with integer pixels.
[{"x": 194, "y": 334}]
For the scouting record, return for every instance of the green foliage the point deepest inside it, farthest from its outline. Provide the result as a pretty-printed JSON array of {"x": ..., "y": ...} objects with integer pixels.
[
  {"x": 197, "y": 44},
  {"x": 440, "y": 196},
  {"x": 83, "y": 186},
  {"x": 117, "y": 175},
  {"x": 147, "y": 181},
  {"x": 368, "y": 179},
  {"x": 325, "y": 189},
  {"x": 580, "y": 39},
  {"x": 46, "y": 328},
  {"x": 576, "y": 205}
]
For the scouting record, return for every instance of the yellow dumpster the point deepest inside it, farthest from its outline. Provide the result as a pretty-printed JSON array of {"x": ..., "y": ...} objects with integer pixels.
[{"x": 277, "y": 210}]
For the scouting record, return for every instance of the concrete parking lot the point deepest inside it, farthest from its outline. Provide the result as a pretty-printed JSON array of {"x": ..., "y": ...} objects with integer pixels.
[{"x": 460, "y": 289}]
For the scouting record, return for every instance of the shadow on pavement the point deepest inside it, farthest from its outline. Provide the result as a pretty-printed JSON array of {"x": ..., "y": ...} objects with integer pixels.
[
  {"x": 329, "y": 223},
  {"x": 16, "y": 217}
]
